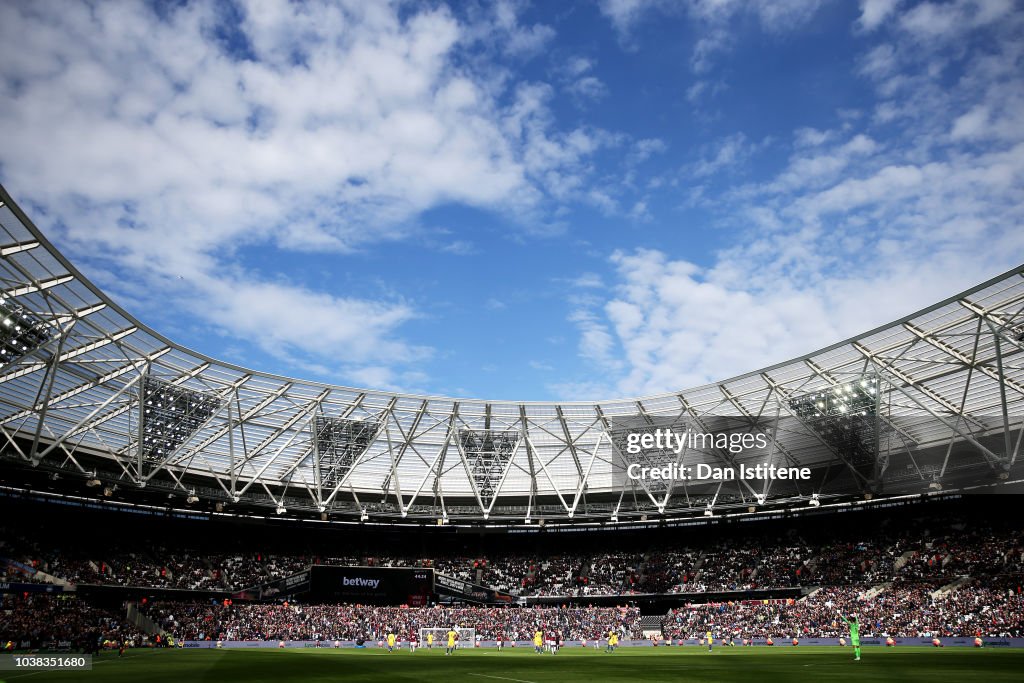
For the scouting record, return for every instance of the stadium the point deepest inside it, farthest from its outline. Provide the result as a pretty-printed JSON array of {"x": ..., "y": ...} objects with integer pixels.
[
  {"x": 275, "y": 275},
  {"x": 207, "y": 515}
]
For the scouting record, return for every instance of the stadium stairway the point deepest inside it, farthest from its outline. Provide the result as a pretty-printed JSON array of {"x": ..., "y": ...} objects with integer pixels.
[
  {"x": 902, "y": 560},
  {"x": 141, "y": 621},
  {"x": 877, "y": 590},
  {"x": 943, "y": 590},
  {"x": 50, "y": 578}
]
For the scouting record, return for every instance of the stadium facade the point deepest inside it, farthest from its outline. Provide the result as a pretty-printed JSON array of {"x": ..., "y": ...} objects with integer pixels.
[{"x": 90, "y": 396}]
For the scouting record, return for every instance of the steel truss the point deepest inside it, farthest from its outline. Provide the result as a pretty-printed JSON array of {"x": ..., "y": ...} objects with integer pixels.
[{"x": 947, "y": 412}]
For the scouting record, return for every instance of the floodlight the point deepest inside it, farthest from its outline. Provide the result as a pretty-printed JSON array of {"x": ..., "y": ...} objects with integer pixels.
[
  {"x": 170, "y": 414},
  {"x": 814, "y": 502},
  {"x": 338, "y": 443},
  {"x": 281, "y": 509},
  {"x": 363, "y": 516},
  {"x": 489, "y": 454},
  {"x": 21, "y": 332}
]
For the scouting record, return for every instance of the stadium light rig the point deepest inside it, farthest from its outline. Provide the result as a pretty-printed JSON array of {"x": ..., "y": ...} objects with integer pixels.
[
  {"x": 814, "y": 502},
  {"x": 363, "y": 516},
  {"x": 170, "y": 414},
  {"x": 281, "y": 509},
  {"x": 192, "y": 497},
  {"x": 21, "y": 332}
]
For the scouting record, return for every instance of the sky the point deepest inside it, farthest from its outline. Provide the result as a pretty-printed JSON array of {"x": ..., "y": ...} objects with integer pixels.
[{"x": 514, "y": 200}]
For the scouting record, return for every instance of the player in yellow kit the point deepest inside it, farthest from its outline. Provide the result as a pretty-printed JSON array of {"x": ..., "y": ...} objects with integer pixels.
[
  {"x": 430, "y": 641},
  {"x": 391, "y": 642},
  {"x": 613, "y": 641},
  {"x": 538, "y": 641},
  {"x": 452, "y": 635},
  {"x": 711, "y": 640}
]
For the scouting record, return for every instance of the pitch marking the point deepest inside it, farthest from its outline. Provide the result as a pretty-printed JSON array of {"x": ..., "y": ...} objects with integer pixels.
[{"x": 503, "y": 678}]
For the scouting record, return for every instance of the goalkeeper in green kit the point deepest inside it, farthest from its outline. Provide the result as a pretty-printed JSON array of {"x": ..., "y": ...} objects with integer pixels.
[{"x": 854, "y": 634}]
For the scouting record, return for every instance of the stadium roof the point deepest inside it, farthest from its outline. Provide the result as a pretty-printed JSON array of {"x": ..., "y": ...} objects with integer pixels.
[{"x": 935, "y": 402}]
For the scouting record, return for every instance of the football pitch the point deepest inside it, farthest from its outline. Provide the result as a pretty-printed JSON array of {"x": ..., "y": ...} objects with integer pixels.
[{"x": 761, "y": 665}]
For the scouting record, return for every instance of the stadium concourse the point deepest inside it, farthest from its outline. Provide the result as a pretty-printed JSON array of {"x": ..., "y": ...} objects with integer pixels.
[{"x": 150, "y": 495}]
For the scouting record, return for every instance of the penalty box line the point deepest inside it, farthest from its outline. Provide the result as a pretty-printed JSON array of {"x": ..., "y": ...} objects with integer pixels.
[{"x": 503, "y": 678}]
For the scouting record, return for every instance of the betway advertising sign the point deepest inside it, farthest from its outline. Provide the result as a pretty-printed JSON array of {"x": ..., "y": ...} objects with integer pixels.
[{"x": 373, "y": 585}]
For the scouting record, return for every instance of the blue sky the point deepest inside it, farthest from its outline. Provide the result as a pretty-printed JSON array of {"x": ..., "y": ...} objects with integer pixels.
[{"x": 557, "y": 200}]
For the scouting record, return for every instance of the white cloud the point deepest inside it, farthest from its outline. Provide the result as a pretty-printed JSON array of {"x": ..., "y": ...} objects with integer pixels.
[
  {"x": 459, "y": 248},
  {"x": 822, "y": 166},
  {"x": 596, "y": 342},
  {"x": 729, "y": 152},
  {"x": 161, "y": 145},
  {"x": 493, "y": 304},
  {"x": 865, "y": 222},
  {"x": 645, "y": 149},
  {"x": 874, "y": 12},
  {"x": 623, "y": 14},
  {"x": 577, "y": 77},
  {"x": 714, "y": 18},
  {"x": 947, "y": 20},
  {"x": 588, "y": 88},
  {"x": 588, "y": 281}
]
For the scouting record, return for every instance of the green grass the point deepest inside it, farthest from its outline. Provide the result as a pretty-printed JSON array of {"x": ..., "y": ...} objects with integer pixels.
[{"x": 756, "y": 665}]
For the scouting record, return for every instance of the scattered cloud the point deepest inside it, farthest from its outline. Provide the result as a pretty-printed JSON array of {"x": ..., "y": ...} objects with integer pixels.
[
  {"x": 459, "y": 248},
  {"x": 299, "y": 127},
  {"x": 865, "y": 222},
  {"x": 588, "y": 281},
  {"x": 493, "y": 304},
  {"x": 730, "y": 152},
  {"x": 874, "y": 12}
]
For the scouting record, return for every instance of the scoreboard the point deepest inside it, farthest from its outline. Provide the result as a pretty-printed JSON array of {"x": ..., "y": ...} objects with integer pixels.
[{"x": 372, "y": 585}]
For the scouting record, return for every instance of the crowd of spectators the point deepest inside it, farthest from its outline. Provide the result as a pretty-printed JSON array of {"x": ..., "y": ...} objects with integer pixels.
[
  {"x": 40, "y": 620},
  {"x": 217, "y": 621},
  {"x": 910, "y": 610},
  {"x": 736, "y": 564}
]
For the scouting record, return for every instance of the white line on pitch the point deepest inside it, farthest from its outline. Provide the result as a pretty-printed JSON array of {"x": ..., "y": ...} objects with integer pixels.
[{"x": 503, "y": 678}]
